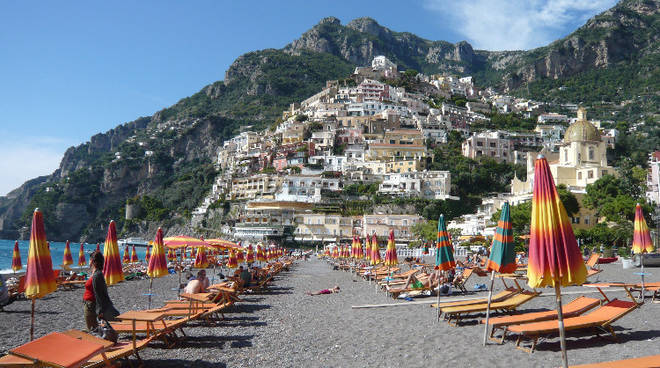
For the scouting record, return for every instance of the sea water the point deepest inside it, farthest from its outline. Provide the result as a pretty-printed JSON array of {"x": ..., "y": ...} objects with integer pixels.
[{"x": 56, "y": 253}]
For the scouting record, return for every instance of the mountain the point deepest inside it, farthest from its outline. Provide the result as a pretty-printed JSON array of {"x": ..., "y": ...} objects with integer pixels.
[{"x": 165, "y": 162}]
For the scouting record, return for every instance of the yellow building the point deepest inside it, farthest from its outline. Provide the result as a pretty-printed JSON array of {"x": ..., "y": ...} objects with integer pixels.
[
  {"x": 393, "y": 152},
  {"x": 404, "y": 166},
  {"x": 255, "y": 186},
  {"x": 404, "y": 136}
]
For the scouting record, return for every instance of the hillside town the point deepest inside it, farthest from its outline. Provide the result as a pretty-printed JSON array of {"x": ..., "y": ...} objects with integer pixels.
[{"x": 285, "y": 182}]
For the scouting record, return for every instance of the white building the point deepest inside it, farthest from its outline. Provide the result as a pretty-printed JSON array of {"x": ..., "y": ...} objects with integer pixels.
[
  {"x": 653, "y": 179},
  {"x": 488, "y": 144},
  {"x": 299, "y": 188},
  {"x": 425, "y": 184}
]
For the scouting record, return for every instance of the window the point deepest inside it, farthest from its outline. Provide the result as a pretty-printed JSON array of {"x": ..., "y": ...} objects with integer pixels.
[
  {"x": 565, "y": 155},
  {"x": 492, "y": 145},
  {"x": 575, "y": 220},
  {"x": 478, "y": 153},
  {"x": 480, "y": 144},
  {"x": 580, "y": 175},
  {"x": 591, "y": 153},
  {"x": 590, "y": 174},
  {"x": 604, "y": 172},
  {"x": 586, "y": 220}
]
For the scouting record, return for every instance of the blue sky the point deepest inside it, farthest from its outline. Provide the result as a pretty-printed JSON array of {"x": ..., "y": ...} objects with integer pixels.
[{"x": 69, "y": 70}]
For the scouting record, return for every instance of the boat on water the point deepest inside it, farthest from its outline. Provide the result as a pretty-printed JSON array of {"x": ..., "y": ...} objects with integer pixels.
[
  {"x": 138, "y": 242},
  {"x": 650, "y": 260}
]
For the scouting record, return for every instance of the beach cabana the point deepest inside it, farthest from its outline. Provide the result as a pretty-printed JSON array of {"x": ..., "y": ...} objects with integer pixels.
[
  {"x": 67, "y": 258},
  {"x": 554, "y": 257},
  {"x": 641, "y": 239},
  {"x": 502, "y": 256},
  {"x": 112, "y": 270},
  {"x": 16, "y": 263},
  {"x": 39, "y": 276}
]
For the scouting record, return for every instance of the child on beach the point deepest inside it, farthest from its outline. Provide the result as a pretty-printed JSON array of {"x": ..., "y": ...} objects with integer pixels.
[{"x": 324, "y": 291}]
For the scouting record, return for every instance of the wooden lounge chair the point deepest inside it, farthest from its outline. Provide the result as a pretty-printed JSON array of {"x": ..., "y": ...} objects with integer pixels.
[
  {"x": 509, "y": 304},
  {"x": 502, "y": 295},
  {"x": 13, "y": 361},
  {"x": 652, "y": 361},
  {"x": 460, "y": 284},
  {"x": 653, "y": 287},
  {"x": 598, "y": 320},
  {"x": 591, "y": 264},
  {"x": 396, "y": 290},
  {"x": 121, "y": 350},
  {"x": 574, "y": 308}
]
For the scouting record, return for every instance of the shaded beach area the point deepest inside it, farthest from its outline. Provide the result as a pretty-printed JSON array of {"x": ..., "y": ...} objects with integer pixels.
[{"x": 284, "y": 327}]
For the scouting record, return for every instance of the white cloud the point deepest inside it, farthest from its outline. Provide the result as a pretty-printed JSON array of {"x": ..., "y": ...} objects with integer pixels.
[
  {"x": 24, "y": 160},
  {"x": 515, "y": 24}
]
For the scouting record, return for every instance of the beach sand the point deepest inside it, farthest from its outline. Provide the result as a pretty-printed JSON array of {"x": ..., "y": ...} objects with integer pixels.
[{"x": 283, "y": 327}]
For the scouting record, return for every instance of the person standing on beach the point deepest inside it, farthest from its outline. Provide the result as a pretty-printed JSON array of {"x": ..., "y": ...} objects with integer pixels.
[{"x": 97, "y": 303}]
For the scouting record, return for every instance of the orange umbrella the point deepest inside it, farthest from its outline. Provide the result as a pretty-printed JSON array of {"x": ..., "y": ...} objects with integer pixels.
[
  {"x": 375, "y": 252},
  {"x": 112, "y": 270},
  {"x": 81, "y": 256},
  {"x": 134, "y": 257},
  {"x": 127, "y": 257},
  {"x": 201, "y": 261},
  {"x": 16, "y": 263},
  {"x": 67, "y": 259},
  {"x": 641, "y": 239},
  {"x": 390, "y": 254},
  {"x": 554, "y": 256},
  {"x": 39, "y": 277},
  {"x": 249, "y": 258}
]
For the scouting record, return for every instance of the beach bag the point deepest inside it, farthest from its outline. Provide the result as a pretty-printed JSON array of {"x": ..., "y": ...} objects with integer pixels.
[{"x": 106, "y": 332}]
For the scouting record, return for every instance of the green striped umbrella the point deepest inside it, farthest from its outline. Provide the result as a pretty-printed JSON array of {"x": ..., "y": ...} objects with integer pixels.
[
  {"x": 444, "y": 253},
  {"x": 502, "y": 257}
]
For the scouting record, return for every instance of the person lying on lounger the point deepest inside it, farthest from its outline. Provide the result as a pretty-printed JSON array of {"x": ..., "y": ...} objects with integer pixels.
[
  {"x": 434, "y": 279},
  {"x": 324, "y": 291}
]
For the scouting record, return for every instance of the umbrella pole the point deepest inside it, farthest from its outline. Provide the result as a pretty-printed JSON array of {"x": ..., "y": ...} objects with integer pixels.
[
  {"x": 438, "y": 303},
  {"x": 642, "y": 255},
  {"x": 560, "y": 320},
  {"x": 32, "y": 322},
  {"x": 490, "y": 298}
]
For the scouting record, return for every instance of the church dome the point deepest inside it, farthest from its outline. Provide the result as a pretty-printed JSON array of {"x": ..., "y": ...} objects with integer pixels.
[{"x": 581, "y": 131}]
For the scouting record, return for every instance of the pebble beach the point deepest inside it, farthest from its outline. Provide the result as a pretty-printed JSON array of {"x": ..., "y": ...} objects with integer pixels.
[{"x": 284, "y": 327}]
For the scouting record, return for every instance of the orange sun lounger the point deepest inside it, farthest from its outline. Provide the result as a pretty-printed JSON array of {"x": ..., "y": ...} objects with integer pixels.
[
  {"x": 599, "y": 319},
  {"x": 502, "y": 295},
  {"x": 509, "y": 304},
  {"x": 576, "y": 307},
  {"x": 652, "y": 361}
]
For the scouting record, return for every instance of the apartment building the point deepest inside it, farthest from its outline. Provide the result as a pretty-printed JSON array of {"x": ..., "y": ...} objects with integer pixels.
[
  {"x": 488, "y": 144},
  {"x": 255, "y": 186}
]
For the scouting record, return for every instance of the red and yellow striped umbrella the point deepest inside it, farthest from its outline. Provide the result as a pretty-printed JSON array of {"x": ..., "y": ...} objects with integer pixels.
[
  {"x": 359, "y": 253},
  {"x": 222, "y": 244},
  {"x": 390, "y": 254},
  {"x": 201, "y": 260},
  {"x": 335, "y": 252},
  {"x": 554, "y": 256},
  {"x": 326, "y": 253},
  {"x": 67, "y": 258},
  {"x": 183, "y": 241},
  {"x": 261, "y": 256},
  {"x": 98, "y": 247},
  {"x": 16, "y": 263},
  {"x": 134, "y": 257},
  {"x": 127, "y": 257},
  {"x": 81, "y": 256},
  {"x": 231, "y": 260},
  {"x": 147, "y": 255},
  {"x": 641, "y": 236},
  {"x": 444, "y": 252},
  {"x": 249, "y": 258},
  {"x": 112, "y": 270},
  {"x": 171, "y": 256},
  {"x": 240, "y": 256},
  {"x": 367, "y": 248},
  {"x": 375, "y": 251},
  {"x": 157, "y": 266},
  {"x": 39, "y": 277}
]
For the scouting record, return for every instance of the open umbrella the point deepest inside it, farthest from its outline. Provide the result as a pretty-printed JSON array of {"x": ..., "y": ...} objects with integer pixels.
[
  {"x": 554, "y": 256},
  {"x": 81, "y": 256},
  {"x": 134, "y": 257},
  {"x": 444, "y": 252},
  {"x": 641, "y": 239},
  {"x": 39, "y": 277},
  {"x": 67, "y": 259},
  {"x": 112, "y": 270},
  {"x": 502, "y": 256},
  {"x": 201, "y": 261},
  {"x": 157, "y": 266},
  {"x": 249, "y": 258},
  {"x": 375, "y": 252},
  {"x": 183, "y": 241},
  {"x": 127, "y": 257},
  {"x": 16, "y": 263}
]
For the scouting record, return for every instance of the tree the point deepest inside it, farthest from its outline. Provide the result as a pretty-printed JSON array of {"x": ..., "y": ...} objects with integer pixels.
[
  {"x": 426, "y": 230},
  {"x": 615, "y": 197}
]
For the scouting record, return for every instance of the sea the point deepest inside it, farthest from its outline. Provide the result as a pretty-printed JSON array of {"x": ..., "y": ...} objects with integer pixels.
[{"x": 56, "y": 253}]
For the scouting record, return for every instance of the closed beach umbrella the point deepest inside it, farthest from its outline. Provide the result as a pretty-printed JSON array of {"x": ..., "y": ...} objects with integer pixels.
[
  {"x": 240, "y": 257},
  {"x": 502, "y": 257},
  {"x": 170, "y": 255},
  {"x": 426, "y": 248},
  {"x": 641, "y": 239},
  {"x": 134, "y": 257},
  {"x": 554, "y": 256},
  {"x": 67, "y": 258},
  {"x": 201, "y": 260},
  {"x": 16, "y": 263},
  {"x": 444, "y": 252},
  {"x": 81, "y": 256},
  {"x": 112, "y": 270},
  {"x": 353, "y": 247},
  {"x": 375, "y": 252},
  {"x": 327, "y": 252},
  {"x": 335, "y": 252},
  {"x": 147, "y": 255},
  {"x": 127, "y": 257},
  {"x": 367, "y": 249},
  {"x": 157, "y": 266},
  {"x": 98, "y": 247},
  {"x": 359, "y": 254},
  {"x": 390, "y": 254},
  {"x": 231, "y": 260},
  {"x": 249, "y": 257},
  {"x": 261, "y": 257},
  {"x": 39, "y": 277}
]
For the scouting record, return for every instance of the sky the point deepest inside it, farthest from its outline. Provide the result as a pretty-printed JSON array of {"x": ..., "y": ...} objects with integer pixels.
[{"x": 71, "y": 69}]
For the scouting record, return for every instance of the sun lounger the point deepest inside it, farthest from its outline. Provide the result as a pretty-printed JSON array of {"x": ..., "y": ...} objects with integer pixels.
[
  {"x": 652, "y": 361},
  {"x": 599, "y": 319},
  {"x": 509, "y": 304},
  {"x": 460, "y": 284},
  {"x": 13, "y": 361},
  {"x": 574, "y": 308},
  {"x": 121, "y": 350},
  {"x": 502, "y": 295}
]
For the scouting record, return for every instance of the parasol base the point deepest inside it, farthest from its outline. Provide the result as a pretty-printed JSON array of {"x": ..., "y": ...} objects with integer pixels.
[
  {"x": 147, "y": 294},
  {"x": 642, "y": 274}
]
